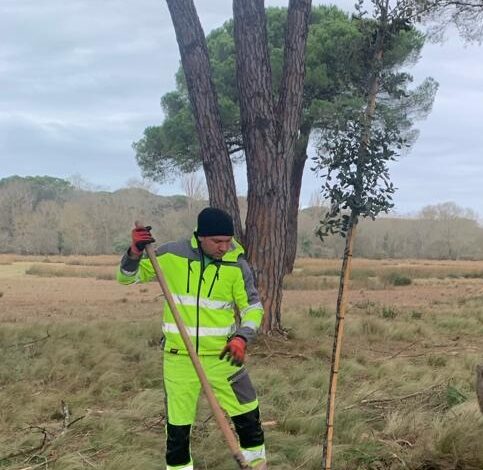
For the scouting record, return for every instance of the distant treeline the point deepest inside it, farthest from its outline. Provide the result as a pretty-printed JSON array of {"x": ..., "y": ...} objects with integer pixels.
[{"x": 46, "y": 215}]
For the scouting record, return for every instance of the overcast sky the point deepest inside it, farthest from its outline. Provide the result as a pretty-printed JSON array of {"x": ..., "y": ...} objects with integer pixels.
[{"x": 81, "y": 79}]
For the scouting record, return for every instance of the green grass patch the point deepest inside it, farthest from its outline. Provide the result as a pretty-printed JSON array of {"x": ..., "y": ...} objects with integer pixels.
[
  {"x": 389, "y": 313},
  {"x": 473, "y": 275},
  {"x": 397, "y": 279}
]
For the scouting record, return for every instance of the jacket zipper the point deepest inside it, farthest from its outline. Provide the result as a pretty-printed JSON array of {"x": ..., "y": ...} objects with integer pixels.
[
  {"x": 215, "y": 278},
  {"x": 198, "y": 301},
  {"x": 188, "y": 281}
]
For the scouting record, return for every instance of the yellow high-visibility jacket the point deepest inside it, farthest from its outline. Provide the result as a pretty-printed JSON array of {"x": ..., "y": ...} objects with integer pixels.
[{"x": 206, "y": 294}]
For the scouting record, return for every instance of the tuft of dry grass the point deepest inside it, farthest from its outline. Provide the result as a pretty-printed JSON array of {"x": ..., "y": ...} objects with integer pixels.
[
  {"x": 105, "y": 260},
  {"x": 95, "y": 271}
]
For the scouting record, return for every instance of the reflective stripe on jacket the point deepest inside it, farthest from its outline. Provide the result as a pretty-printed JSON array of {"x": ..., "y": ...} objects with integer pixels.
[{"x": 205, "y": 302}]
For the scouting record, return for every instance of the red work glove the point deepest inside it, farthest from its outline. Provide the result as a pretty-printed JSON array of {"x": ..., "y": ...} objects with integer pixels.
[
  {"x": 141, "y": 236},
  {"x": 235, "y": 351}
]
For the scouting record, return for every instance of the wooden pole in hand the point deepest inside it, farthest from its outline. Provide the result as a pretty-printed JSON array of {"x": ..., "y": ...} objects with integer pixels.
[{"x": 208, "y": 391}]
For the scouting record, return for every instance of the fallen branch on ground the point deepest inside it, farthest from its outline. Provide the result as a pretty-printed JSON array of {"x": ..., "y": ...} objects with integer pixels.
[
  {"x": 268, "y": 355},
  {"x": 40, "y": 465},
  {"x": 29, "y": 343},
  {"x": 48, "y": 437},
  {"x": 402, "y": 350},
  {"x": 41, "y": 446},
  {"x": 384, "y": 402}
]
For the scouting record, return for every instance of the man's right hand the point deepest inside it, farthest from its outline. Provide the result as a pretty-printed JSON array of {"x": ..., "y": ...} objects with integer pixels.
[{"x": 141, "y": 236}]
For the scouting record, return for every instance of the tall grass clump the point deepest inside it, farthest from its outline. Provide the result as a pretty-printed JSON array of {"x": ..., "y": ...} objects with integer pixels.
[
  {"x": 71, "y": 271},
  {"x": 401, "y": 280},
  {"x": 309, "y": 282}
]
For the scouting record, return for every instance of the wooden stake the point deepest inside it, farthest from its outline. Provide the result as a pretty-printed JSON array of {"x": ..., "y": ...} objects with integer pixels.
[{"x": 337, "y": 346}]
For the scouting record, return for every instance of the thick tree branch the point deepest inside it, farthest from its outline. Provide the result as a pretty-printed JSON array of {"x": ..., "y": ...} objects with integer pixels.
[
  {"x": 196, "y": 65},
  {"x": 289, "y": 107},
  {"x": 477, "y": 5}
]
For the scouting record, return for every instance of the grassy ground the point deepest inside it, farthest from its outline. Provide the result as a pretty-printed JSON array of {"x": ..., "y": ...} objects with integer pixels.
[{"x": 406, "y": 396}]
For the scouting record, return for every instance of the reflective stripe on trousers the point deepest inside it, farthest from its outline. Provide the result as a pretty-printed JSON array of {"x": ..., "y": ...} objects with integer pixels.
[
  {"x": 182, "y": 467},
  {"x": 254, "y": 454}
]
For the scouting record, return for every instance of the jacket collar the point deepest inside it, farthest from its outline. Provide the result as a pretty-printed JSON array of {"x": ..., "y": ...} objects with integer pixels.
[{"x": 230, "y": 256}]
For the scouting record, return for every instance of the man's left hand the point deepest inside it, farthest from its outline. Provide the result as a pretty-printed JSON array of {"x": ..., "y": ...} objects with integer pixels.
[{"x": 234, "y": 351}]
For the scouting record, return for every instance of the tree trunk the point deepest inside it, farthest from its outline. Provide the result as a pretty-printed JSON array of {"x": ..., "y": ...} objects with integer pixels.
[
  {"x": 300, "y": 157},
  {"x": 337, "y": 347},
  {"x": 269, "y": 138},
  {"x": 266, "y": 216},
  {"x": 214, "y": 152}
]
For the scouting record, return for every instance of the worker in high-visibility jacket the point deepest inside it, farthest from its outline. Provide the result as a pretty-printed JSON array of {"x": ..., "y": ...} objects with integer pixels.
[{"x": 209, "y": 278}]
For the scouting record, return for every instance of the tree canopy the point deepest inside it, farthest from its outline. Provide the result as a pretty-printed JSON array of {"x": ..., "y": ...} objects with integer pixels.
[{"x": 338, "y": 51}]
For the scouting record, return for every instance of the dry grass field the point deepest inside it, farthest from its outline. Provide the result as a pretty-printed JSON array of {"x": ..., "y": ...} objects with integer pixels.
[{"x": 70, "y": 334}]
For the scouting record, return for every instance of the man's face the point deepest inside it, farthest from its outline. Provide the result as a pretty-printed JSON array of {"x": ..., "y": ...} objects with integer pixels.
[{"x": 215, "y": 246}]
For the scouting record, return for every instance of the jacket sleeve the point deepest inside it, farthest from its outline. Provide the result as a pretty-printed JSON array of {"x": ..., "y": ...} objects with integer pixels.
[
  {"x": 248, "y": 302},
  {"x": 134, "y": 270}
]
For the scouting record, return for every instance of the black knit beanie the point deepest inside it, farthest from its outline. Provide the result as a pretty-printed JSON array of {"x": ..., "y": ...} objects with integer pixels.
[{"x": 212, "y": 221}]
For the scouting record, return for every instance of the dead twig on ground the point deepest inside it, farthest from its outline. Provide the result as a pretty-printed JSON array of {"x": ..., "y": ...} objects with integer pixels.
[
  {"x": 398, "y": 442},
  {"x": 29, "y": 343},
  {"x": 402, "y": 350},
  {"x": 41, "y": 446},
  {"x": 365, "y": 397},
  {"x": 304, "y": 463},
  {"x": 269, "y": 355},
  {"x": 426, "y": 396},
  {"x": 428, "y": 354},
  {"x": 152, "y": 423},
  {"x": 86, "y": 460},
  {"x": 405, "y": 397},
  {"x": 40, "y": 465},
  {"x": 75, "y": 420},
  {"x": 273, "y": 353},
  {"x": 427, "y": 350},
  {"x": 48, "y": 437}
]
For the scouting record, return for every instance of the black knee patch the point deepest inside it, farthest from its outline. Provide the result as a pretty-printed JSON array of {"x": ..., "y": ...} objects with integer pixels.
[
  {"x": 249, "y": 428},
  {"x": 178, "y": 444}
]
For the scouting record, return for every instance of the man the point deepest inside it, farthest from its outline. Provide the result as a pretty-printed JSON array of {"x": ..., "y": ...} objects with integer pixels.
[{"x": 208, "y": 277}]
